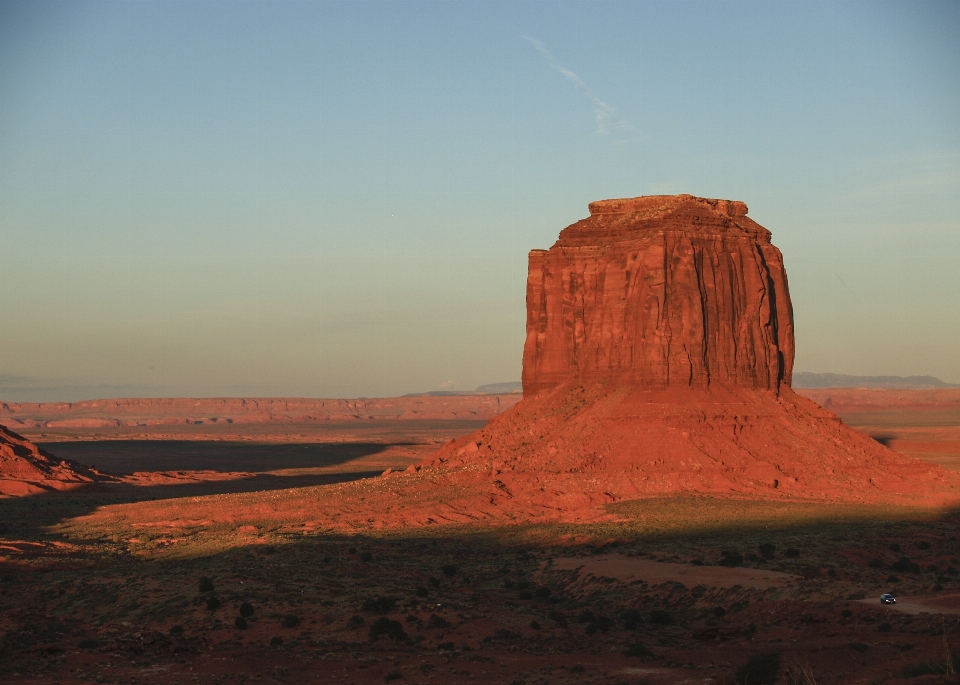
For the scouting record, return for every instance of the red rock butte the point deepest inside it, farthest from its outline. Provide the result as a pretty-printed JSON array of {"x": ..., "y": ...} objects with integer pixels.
[
  {"x": 666, "y": 290},
  {"x": 25, "y": 469}
]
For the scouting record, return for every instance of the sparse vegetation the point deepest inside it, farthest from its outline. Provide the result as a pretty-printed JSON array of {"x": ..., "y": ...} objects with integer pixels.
[{"x": 761, "y": 669}]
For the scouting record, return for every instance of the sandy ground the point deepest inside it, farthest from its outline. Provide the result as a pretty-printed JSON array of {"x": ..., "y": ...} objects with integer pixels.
[
  {"x": 945, "y": 603},
  {"x": 630, "y": 569}
]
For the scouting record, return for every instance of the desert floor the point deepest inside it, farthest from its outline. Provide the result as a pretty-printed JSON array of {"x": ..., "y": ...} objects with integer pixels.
[{"x": 107, "y": 585}]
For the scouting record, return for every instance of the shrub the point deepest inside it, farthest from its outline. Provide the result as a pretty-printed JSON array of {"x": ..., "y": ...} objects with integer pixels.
[
  {"x": 88, "y": 644},
  {"x": 366, "y": 556},
  {"x": 731, "y": 559},
  {"x": 894, "y": 547},
  {"x": 559, "y": 618},
  {"x": 792, "y": 553},
  {"x": 246, "y": 610},
  {"x": 290, "y": 621},
  {"x": 240, "y": 623},
  {"x": 411, "y": 618},
  {"x": 213, "y": 604},
  {"x": 392, "y": 675},
  {"x": 379, "y": 604},
  {"x": 176, "y": 630},
  {"x": 906, "y": 566},
  {"x": 422, "y": 591},
  {"x": 875, "y": 563},
  {"x": 719, "y": 612},
  {"x": 640, "y": 650},
  {"x": 446, "y": 647},
  {"x": 438, "y": 622},
  {"x": 535, "y": 625},
  {"x": 355, "y": 621},
  {"x": 542, "y": 592},
  {"x": 924, "y": 544},
  {"x": 858, "y": 646},
  {"x": 449, "y": 570},
  {"x": 591, "y": 629},
  {"x": 504, "y": 634},
  {"x": 206, "y": 584},
  {"x": 661, "y": 617},
  {"x": 525, "y": 594},
  {"x": 893, "y": 579},
  {"x": 767, "y": 549},
  {"x": 762, "y": 669},
  {"x": 435, "y": 582},
  {"x": 385, "y": 626},
  {"x": 846, "y": 613},
  {"x": 352, "y": 550},
  {"x": 276, "y": 641},
  {"x": 631, "y": 619},
  {"x": 884, "y": 628},
  {"x": 586, "y": 616}
]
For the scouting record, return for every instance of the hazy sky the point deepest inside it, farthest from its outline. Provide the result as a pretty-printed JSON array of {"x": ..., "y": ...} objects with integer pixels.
[{"x": 337, "y": 198}]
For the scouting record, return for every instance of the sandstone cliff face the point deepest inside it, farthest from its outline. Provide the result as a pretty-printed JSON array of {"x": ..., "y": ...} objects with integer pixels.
[{"x": 659, "y": 291}]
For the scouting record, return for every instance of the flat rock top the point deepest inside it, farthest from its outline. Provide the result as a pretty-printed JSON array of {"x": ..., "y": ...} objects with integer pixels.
[{"x": 640, "y": 217}]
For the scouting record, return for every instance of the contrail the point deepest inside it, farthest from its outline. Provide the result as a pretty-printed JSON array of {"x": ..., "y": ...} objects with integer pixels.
[{"x": 607, "y": 119}]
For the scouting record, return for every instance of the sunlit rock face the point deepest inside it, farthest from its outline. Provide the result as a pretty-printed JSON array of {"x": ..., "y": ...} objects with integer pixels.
[{"x": 664, "y": 290}]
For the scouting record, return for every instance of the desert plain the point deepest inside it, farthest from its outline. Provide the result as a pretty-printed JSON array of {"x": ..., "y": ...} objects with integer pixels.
[{"x": 659, "y": 506}]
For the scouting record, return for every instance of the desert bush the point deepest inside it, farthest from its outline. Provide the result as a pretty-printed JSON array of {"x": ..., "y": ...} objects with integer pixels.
[
  {"x": 504, "y": 634},
  {"x": 535, "y": 625},
  {"x": 586, "y": 616},
  {"x": 591, "y": 629},
  {"x": 88, "y": 644},
  {"x": 176, "y": 630},
  {"x": 240, "y": 623},
  {"x": 213, "y": 604},
  {"x": 355, "y": 621},
  {"x": 422, "y": 591},
  {"x": 767, "y": 549},
  {"x": 290, "y": 621},
  {"x": 379, "y": 604},
  {"x": 884, "y": 628},
  {"x": 894, "y": 547},
  {"x": 631, "y": 619},
  {"x": 661, "y": 617},
  {"x": 846, "y": 613},
  {"x": 411, "y": 618},
  {"x": 638, "y": 649},
  {"x": 543, "y": 592},
  {"x": 761, "y": 669},
  {"x": 435, "y": 582},
  {"x": 392, "y": 675},
  {"x": 352, "y": 550},
  {"x": 385, "y": 626},
  {"x": 276, "y": 641},
  {"x": 557, "y": 617},
  {"x": 893, "y": 579},
  {"x": 904, "y": 565},
  {"x": 246, "y": 610},
  {"x": 944, "y": 667},
  {"x": 924, "y": 544},
  {"x": 438, "y": 622},
  {"x": 875, "y": 563},
  {"x": 525, "y": 594},
  {"x": 449, "y": 570},
  {"x": 366, "y": 556},
  {"x": 206, "y": 584},
  {"x": 792, "y": 553},
  {"x": 858, "y": 646},
  {"x": 728, "y": 558},
  {"x": 446, "y": 646},
  {"x": 719, "y": 612}
]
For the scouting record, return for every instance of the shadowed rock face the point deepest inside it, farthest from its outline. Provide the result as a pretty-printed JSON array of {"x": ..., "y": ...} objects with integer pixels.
[
  {"x": 26, "y": 469},
  {"x": 667, "y": 290}
]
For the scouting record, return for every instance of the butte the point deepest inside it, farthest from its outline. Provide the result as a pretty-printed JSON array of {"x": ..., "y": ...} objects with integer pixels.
[{"x": 658, "y": 359}]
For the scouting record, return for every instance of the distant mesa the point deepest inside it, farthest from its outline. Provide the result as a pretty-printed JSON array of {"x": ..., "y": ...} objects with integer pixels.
[
  {"x": 805, "y": 379},
  {"x": 501, "y": 388},
  {"x": 26, "y": 469}
]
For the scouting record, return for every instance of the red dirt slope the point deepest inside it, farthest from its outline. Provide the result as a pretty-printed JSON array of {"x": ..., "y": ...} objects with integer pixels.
[{"x": 26, "y": 469}]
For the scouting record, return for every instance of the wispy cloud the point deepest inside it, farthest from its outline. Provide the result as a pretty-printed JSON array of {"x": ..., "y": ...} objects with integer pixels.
[{"x": 607, "y": 119}]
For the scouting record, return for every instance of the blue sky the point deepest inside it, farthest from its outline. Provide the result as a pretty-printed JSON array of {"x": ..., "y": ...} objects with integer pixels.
[{"x": 337, "y": 199}]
